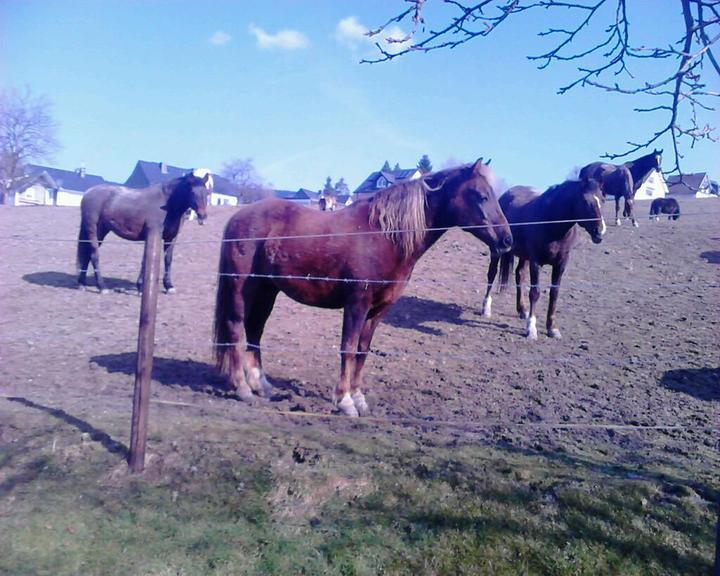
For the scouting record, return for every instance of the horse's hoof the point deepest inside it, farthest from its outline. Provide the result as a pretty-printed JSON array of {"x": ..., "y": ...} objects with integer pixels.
[
  {"x": 617, "y": 222},
  {"x": 347, "y": 406},
  {"x": 555, "y": 333},
  {"x": 244, "y": 393},
  {"x": 360, "y": 403},
  {"x": 531, "y": 335},
  {"x": 104, "y": 291},
  {"x": 487, "y": 307},
  {"x": 636, "y": 225},
  {"x": 170, "y": 290},
  {"x": 82, "y": 287}
]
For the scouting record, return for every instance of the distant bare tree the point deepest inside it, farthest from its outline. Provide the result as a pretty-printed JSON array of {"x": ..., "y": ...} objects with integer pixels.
[
  {"x": 27, "y": 132},
  {"x": 242, "y": 173},
  {"x": 680, "y": 92}
]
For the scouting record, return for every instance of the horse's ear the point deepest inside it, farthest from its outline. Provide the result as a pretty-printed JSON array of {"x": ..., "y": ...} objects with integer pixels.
[
  {"x": 488, "y": 162},
  {"x": 478, "y": 166},
  {"x": 164, "y": 207}
]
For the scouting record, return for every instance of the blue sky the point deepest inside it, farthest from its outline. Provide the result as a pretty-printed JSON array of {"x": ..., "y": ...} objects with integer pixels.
[{"x": 197, "y": 84}]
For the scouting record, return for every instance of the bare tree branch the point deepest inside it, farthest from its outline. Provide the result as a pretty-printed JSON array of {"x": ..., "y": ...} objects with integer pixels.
[
  {"x": 27, "y": 132},
  {"x": 682, "y": 92}
]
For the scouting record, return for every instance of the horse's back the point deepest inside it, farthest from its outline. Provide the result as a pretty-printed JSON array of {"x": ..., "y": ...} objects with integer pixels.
[{"x": 514, "y": 200}]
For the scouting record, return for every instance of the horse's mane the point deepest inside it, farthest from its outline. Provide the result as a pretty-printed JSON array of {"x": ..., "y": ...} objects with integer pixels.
[{"x": 400, "y": 212}]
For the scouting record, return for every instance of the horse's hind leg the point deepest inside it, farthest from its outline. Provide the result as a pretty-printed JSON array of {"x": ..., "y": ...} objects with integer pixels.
[
  {"x": 520, "y": 278},
  {"x": 492, "y": 272},
  {"x": 629, "y": 207},
  {"x": 83, "y": 256},
  {"x": 617, "y": 211},
  {"x": 257, "y": 312},
  {"x": 96, "y": 238},
  {"x": 229, "y": 330}
]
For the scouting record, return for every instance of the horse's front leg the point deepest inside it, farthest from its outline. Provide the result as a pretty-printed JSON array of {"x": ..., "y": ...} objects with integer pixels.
[
  {"x": 617, "y": 211},
  {"x": 353, "y": 321},
  {"x": 520, "y": 278},
  {"x": 531, "y": 327},
  {"x": 557, "y": 273},
  {"x": 492, "y": 272},
  {"x": 167, "y": 283},
  {"x": 366, "y": 337}
]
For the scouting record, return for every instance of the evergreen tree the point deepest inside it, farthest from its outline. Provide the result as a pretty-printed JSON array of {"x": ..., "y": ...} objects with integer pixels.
[
  {"x": 341, "y": 187},
  {"x": 425, "y": 165},
  {"x": 397, "y": 167},
  {"x": 328, "y": 188},
  {"x": 386, "y": 167}
]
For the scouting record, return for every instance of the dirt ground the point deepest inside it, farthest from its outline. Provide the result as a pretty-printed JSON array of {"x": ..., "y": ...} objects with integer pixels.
[{"x": 639, "y": 316}]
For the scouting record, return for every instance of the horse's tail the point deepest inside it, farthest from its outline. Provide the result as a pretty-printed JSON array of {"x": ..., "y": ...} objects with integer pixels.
[
  {"x": 506, "y": 265},
  {"x": 224, "y": 310}
]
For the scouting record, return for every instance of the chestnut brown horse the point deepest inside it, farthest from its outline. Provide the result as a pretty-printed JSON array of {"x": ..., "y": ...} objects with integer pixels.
[
  {"x": 623, "y": 181},
  {"x": 369, "y": 249},
  {"x": 557, "y": 212},
  {"x": 131, "y": 212}
]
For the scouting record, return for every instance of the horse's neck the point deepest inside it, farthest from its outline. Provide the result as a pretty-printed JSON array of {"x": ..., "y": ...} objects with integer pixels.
[
  {"x": 639, "y": 170},
  {"x": 554, "y": 208}
]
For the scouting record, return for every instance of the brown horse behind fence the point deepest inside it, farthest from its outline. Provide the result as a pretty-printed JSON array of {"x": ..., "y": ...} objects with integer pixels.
[
  {"x": 131, "y": 212},
  {"x": 556, "y": 211},
  {"x": 370, "y": 249},
  {"x": 623, "y": 180}
]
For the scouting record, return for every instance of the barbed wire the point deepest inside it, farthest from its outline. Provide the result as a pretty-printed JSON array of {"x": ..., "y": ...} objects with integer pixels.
[{"x": 344, "y": 234}]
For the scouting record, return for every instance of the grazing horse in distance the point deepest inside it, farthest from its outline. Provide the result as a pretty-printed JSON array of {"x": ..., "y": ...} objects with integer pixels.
[
  {"x": 556, "y": 211},
  {"x": 358, "y": 259},
  {"x": 623, "y": 181},
  {"x": 131, "y": 212},
  {"x": 667, "y": 206}
]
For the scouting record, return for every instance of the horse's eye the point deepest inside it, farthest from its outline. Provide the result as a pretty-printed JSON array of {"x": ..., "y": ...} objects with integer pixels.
[{"x": 483, "y": 199}]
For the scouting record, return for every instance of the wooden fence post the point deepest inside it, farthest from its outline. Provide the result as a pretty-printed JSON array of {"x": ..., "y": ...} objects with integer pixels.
[{"x": 146, "y": 344}]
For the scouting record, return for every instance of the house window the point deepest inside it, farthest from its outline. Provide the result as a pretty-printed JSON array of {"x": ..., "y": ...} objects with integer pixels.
[{"x": 382, "y": 182}]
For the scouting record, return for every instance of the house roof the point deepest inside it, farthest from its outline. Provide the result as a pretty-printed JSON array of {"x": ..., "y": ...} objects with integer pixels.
[
  {"x": 300, "y": 194},
  {"x": 392, "y": 176},
  {"x": 74, "y": 180},
  {"x": 148, "y": 173},
  {"x": 686, "y": 183}
]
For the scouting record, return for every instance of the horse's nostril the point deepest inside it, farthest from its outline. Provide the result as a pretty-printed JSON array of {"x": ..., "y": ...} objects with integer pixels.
[{"x": 507, "y": 241}]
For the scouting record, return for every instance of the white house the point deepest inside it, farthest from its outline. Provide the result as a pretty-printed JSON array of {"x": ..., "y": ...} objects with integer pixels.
[
  {"x": 43, "y": 185},
  {"x": 654, "y": 186}
]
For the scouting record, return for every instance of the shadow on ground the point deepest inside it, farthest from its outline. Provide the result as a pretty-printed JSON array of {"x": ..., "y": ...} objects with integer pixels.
[
  {"x": 112, "y": 446},
  {"x": 198, "y": 376},
  {"x": 712, "y": 256},
  {"x": 700, "y": 383},
  {"x": 65, "y": 280},
  {"x": 413, "y": 313}
]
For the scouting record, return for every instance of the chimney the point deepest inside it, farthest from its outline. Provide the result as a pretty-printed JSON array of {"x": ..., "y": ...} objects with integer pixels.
[
  {"x": 163, "y": 168},
  {"x": 81, "y": 171}
]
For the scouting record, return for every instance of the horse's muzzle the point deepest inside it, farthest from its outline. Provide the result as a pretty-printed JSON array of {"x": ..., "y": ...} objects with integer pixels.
[{"x": 597, "y": 238}]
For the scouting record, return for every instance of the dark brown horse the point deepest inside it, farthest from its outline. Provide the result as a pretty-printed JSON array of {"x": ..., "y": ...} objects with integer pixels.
[
  {"x": 557, "y": 212},
  {"x": 623, "y": 181},
  {"x": 667, "y": 206},
  {"x": 131, "y": 212},
  {"x": 370, "y": 248}
]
